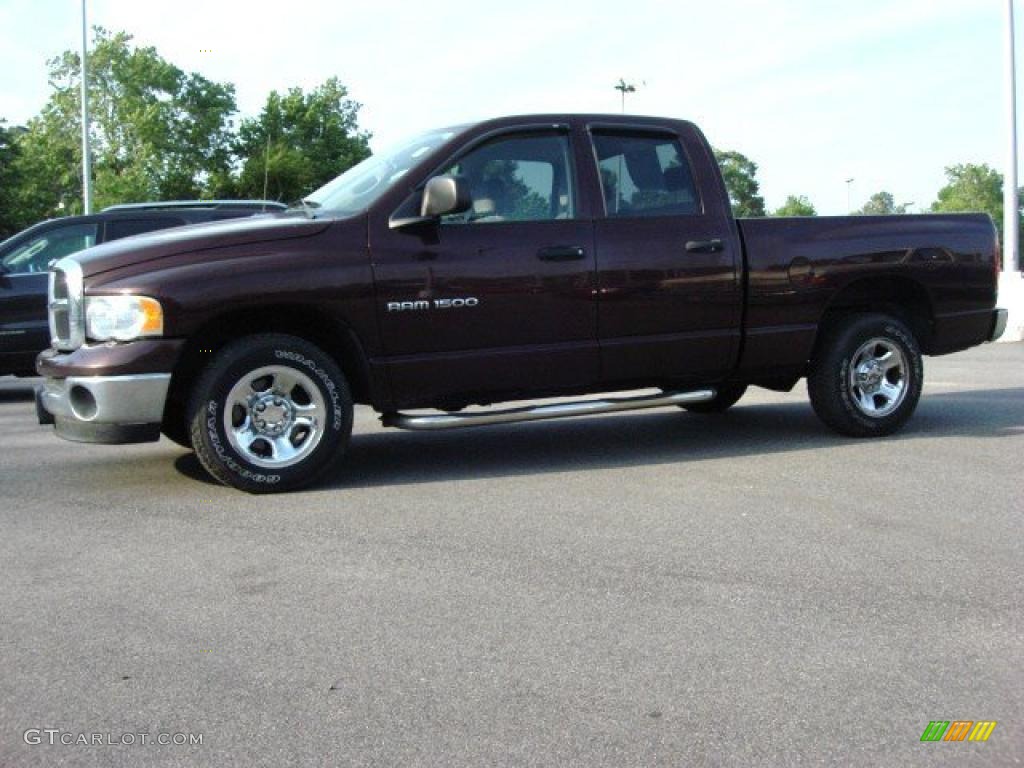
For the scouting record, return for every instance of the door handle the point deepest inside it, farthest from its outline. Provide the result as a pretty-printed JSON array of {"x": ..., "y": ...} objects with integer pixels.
[
  {"x": 705, "y": 246},
  {"x": 561, "y": 253}
]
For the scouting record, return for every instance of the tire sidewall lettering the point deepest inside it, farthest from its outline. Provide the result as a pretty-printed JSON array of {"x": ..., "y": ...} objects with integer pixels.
[
  {"x": 325, "y": 379},
  {"x": 213, "y": 432}
]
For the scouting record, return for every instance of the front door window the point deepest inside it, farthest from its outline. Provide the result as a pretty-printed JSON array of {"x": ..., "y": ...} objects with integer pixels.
[{"x": 518, "y": 178}]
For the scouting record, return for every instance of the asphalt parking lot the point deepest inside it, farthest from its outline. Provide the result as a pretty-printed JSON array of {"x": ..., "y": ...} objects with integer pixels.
[{"x": 638, "y": 589}]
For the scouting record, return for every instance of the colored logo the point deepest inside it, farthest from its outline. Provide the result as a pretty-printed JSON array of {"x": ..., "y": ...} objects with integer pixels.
[{"x": 958, "y": 730}]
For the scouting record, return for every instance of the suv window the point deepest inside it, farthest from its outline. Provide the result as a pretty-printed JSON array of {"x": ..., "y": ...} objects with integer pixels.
[
  {"x": 644, "y": 175},
  {"x": 518, "y": 178},
  {"x": 119, "y": 228},
  {"x": 36, "y": 254}
]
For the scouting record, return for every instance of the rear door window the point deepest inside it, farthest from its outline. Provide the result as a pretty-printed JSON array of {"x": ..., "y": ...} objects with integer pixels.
[{"x": 644, "y": 175}]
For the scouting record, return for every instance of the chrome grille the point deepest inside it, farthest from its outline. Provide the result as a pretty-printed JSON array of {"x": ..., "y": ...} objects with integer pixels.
[
  {"x": 60, "y": 327},
  {"x": 67, "y": 327}
]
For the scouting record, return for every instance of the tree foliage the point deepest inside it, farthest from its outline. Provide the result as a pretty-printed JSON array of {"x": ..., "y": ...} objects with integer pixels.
[
  {"x": 301, "y": 140},
  {"x": 160, "y": 133},
  {"x": 740, "y": 175},
  {"x": 972, "y": 187},
  {"x": 156, "y": 132},
  {"x": 882, "y": 204},
  {"x": 796, "y": 205},
  {"x": 10, "y": 182}
]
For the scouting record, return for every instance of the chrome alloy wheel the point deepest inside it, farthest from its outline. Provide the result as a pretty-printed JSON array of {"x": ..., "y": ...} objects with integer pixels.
[
  {"x": 878, "y": 377},
  {"x": 274, "y": 416}
]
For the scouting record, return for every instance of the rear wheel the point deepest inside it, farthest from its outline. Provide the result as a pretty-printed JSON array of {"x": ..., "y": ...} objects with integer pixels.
[
  {"x": 726, "y": 396},
  {"x": 270, "y": 413},
  {"x": 866, "y": 377}
]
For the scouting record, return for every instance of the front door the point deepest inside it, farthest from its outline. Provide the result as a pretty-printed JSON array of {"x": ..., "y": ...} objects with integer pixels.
[{"x": 497, "y": 302}]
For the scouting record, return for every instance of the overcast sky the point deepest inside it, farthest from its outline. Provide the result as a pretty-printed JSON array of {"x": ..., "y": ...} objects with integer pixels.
[{"x": 885, "y": 91}]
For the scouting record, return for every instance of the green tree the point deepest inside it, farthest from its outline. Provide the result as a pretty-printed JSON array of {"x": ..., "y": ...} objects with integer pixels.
[
  {"x": 796, "y": 205},
  {"x": 10, "y": 182},
  {"x": 312, "y": 138},
  {"x": 972, "y": 187},
  {"x": 882, "y": 204},
  {"x": 47, "y": 166},
  {"x": 740, "y": 174},
  {"x": 157, "y": 132}
]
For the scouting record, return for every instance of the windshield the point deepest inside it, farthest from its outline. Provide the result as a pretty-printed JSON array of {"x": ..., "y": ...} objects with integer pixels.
[{"x": 358, "y": 187}]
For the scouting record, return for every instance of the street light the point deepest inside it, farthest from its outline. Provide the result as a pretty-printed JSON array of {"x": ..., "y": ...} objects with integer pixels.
[
  {"x": 849, "y": 205},
  {"x": 623, "y": 87}
]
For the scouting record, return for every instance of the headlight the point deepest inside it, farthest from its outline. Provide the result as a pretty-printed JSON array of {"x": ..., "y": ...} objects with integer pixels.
[{"x": 122, "y": 318}]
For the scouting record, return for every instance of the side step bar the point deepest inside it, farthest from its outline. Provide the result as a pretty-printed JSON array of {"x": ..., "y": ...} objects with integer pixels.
[{"x": 538, "y": 412}]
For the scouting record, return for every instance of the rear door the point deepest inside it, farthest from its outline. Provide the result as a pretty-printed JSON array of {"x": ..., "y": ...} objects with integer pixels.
[
  {"x": 23, "y": 321},
  {"x": 668, "y": 259}
]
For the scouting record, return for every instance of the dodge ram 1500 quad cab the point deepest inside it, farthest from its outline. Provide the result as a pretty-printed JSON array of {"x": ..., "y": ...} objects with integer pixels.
[{"x": 511, "y": 259}]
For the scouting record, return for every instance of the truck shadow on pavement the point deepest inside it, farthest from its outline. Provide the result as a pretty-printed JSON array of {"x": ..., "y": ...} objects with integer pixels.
[{"x": 654, "y": 437}]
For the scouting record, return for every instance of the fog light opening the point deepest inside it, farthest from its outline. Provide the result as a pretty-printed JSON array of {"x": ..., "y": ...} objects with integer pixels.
[{"x": 83, "y": 404}]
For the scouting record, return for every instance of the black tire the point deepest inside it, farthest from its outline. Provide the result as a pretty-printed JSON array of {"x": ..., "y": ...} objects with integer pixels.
[
  {"x": 844, "y": 384},
  {"x": 727, "y": 396},
  {"x": 248, "y": 463}
]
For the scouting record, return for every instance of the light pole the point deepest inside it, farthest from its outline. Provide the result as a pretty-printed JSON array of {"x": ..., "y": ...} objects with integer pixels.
[
  {"x": 86, "y": 159},
  {"x": 849, "y": 187},
  {"x": 1011, "y": 286},
  {"x": 1011, "y": 242},
  {"x": 623, "y": 87}
]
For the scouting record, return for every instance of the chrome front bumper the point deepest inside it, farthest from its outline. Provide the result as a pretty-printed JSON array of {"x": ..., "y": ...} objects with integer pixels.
[{"x": 105, "y": 409}]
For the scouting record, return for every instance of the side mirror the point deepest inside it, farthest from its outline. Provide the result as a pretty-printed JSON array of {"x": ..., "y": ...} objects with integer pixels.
[{"x": 444, "y": 195}]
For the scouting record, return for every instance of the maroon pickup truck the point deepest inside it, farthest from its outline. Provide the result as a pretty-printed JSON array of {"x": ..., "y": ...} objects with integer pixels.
[{"x": 512, "y": 259}]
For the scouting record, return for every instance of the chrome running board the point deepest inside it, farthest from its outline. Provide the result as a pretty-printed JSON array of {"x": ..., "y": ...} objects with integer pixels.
[{"x": 538, "y": 412}]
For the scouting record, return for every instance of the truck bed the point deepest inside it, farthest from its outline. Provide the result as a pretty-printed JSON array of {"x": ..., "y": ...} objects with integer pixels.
[{"x": 798, "y": 269}]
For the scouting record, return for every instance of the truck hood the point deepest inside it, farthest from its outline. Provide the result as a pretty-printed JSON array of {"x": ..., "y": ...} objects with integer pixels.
[{"x": 196, "y": 237}]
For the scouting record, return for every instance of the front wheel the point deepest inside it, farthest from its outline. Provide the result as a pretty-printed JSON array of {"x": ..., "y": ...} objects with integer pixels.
[
  {"x": 866, "y": 377},
  {"x": 270, "y": 413}
]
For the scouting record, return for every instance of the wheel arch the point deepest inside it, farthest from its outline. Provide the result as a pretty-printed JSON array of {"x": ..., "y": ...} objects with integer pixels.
[
  {"x": 328, "y": 332},
  {"x": 903, "y": 297}
]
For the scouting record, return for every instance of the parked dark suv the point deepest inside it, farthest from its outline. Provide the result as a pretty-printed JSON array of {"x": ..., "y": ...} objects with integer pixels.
[{"x": 25, "y": 258}]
